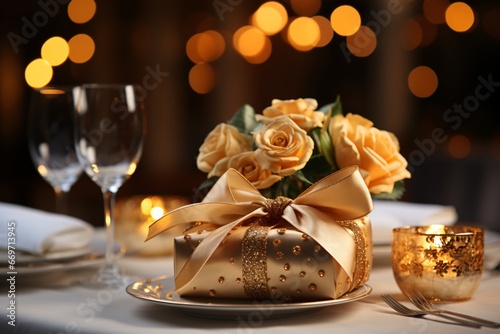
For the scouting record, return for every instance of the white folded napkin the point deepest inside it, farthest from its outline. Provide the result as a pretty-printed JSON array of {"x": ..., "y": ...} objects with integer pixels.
[
  {"x": 39, "y": 232},
  {"x": 388, "y": 215}
]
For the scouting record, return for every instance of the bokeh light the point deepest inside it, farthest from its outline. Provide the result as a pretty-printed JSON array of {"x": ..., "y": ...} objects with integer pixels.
[
  {"x": 205, "y": 47},
  {"x": 434, "y": 10},
  {"x": 422, "y": 81},
  {"x": 491, "y": 23},
  {"x": 429, "y": 30},
  {"x": 249, "y": 41},
  {"x": 263, "y": 55},
  {"x": 38, "y": 73},
  {"x": 81, "y": 11},
  {"x": 55, "y": 50},
  {"x": 303, "y": 33},
  {"x": 325, "y": 30},
  {"x": 306, "y": 7},
  {"x": 81, "y": 48},
  {"x": 271, "y": 17},
  {"x": 363, "y": 42},
  {"x": 192, "y": 48},
  {"x": 459, "y": 146},
  {"x": 345, "y": 20},
  {"x": 459, "y": 16},
  {"x": 202, "y": 78},
  {"x": 412, "y": 35}
]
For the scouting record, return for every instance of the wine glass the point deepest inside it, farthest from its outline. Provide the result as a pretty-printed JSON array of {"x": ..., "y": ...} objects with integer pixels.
[
  {"x": 50, "y": 139},
  {"x": 109, "y": 134}
]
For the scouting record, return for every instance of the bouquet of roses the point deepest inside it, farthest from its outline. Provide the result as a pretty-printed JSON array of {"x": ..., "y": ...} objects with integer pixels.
[{"x": 293, "y": 144}]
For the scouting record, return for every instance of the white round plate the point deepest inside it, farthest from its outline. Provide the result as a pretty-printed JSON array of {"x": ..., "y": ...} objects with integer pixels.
[
  {"x": 90, "y": 256},
  {"x": 161, "y": 291},
  {"x": 26, "y": 258}
]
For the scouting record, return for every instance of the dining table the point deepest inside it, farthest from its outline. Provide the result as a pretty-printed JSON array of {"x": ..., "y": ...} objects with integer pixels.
[{"x": 56, "y": 301}]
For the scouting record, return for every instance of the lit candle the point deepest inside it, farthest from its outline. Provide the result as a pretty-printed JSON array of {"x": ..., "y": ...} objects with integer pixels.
[
  {"x": 134, "y": 215},
  {"x": 444, "y": 263}
]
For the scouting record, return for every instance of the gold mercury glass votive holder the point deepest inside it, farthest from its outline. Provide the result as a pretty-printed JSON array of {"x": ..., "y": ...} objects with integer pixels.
[{"x": 444, "y": 263}]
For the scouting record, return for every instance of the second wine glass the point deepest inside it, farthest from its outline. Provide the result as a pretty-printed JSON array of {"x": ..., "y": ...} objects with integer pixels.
[
  {"x": 50, "y": 139},
  {"x": 109, "y": 137}
]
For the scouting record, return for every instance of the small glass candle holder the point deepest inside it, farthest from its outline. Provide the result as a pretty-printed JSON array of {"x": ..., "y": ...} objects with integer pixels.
[
  {"x": 443, "y": 263},
  {"x": 133, "y": 216}
]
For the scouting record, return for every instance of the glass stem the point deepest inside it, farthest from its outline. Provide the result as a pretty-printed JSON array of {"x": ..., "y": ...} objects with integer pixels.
[
  {"x": 61, "y": 200},
  {"x": 109, "y": 202}
]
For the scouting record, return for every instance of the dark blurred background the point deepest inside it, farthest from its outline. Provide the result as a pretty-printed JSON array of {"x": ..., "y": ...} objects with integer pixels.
[{"x": 132, "y": 38}]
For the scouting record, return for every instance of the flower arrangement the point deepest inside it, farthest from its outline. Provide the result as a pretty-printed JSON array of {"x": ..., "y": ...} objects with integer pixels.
[{"x": 293, "y": 144}]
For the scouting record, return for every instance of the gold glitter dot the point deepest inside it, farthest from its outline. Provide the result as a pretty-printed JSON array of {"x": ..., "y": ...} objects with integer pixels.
[
  {"x": 274, "y": 289},
  {"x": 298, "y": 291},
  {"x": 221, "y": 280},
  {"x": 228, "y": 233},
  {"x": 302, "y": 274},
  {"x": 187, "y": 237},
  {"x": 238, "y": 280},
  {"x": 169, "y": 295},
  {"x": 280, "y": 255},
  {"x": 321, "y": 273},
  {"x": 286, "y": 266},
  {"x": 199, "y": 241},
  {"x": 296, "y": 250},
  {"x": 305, "y": 236},
  {"x": 312, "y": 287},
  {"x": 339, "y": 284},
  {"x": 281, "y": 231},
  {"x": 211, "y": 293},
  {"x": 348, "y": 280},
  {"x": 317, "y": 248},
  {"x": 282, "y": 278},
  {"x": 276, "y": 242},
  {"x": 199, "y": 231},
  {"x": 231, "y": 260}
]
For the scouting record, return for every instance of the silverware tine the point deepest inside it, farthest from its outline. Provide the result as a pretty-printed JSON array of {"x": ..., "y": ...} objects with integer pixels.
[
  {"x": 402, "y": 309},
  {"x": 422, "y": 303}
]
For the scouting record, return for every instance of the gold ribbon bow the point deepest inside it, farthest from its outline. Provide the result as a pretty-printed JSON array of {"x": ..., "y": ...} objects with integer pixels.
[{"x": 232, "y": 200}]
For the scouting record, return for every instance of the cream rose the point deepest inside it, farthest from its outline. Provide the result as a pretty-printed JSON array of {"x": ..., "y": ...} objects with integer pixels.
[
  {"x": 301, "y": 111},
  {"x": 282, "y": 146},
  {"x": 222, "y": 142},
  {"x": 249, "y": 166},
  {"x": 376, "y": 152}
]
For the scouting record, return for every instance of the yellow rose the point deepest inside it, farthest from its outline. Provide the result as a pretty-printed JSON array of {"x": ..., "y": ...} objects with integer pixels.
[
  {"x": 301, "y": 111},
  {"x": 376, "y": 152},
  {"x": 249, "y": 166},
  {"x": 282, "y": 146},
  {"x": 223, "y": 141}
]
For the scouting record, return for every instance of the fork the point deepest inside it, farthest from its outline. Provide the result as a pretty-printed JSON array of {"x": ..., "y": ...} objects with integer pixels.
[
  {"x": 422, "y": 303},
  {"x": 402, "y": 309}
]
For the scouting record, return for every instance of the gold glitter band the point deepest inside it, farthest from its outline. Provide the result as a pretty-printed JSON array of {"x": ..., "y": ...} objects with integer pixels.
[
  {"x": 254, "y": 266},
  {"x": 361, "y": 270}
]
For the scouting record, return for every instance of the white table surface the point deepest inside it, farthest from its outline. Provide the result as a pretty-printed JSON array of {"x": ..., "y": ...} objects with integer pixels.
[{"x": 51, "y": 303}]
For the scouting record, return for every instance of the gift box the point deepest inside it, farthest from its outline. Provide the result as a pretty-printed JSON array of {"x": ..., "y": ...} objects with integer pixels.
[{"x": 239, "y": 244}]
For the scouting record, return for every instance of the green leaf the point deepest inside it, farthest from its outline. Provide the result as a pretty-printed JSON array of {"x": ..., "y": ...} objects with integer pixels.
[
  {"x": 244, "y": 119},
  {"x": 316, "y": 169},
  {"x": 334, "y": 108},
  {"x": 204, "y": 188},
  {"x": 397, "y": 192}
]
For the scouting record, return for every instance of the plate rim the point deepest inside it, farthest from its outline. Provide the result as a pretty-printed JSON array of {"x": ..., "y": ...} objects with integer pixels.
[{"x": 243, "y": 305}]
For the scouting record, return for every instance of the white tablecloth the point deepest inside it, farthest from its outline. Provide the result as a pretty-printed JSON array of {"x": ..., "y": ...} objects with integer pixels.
[{"x": 51, "y": 303}]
